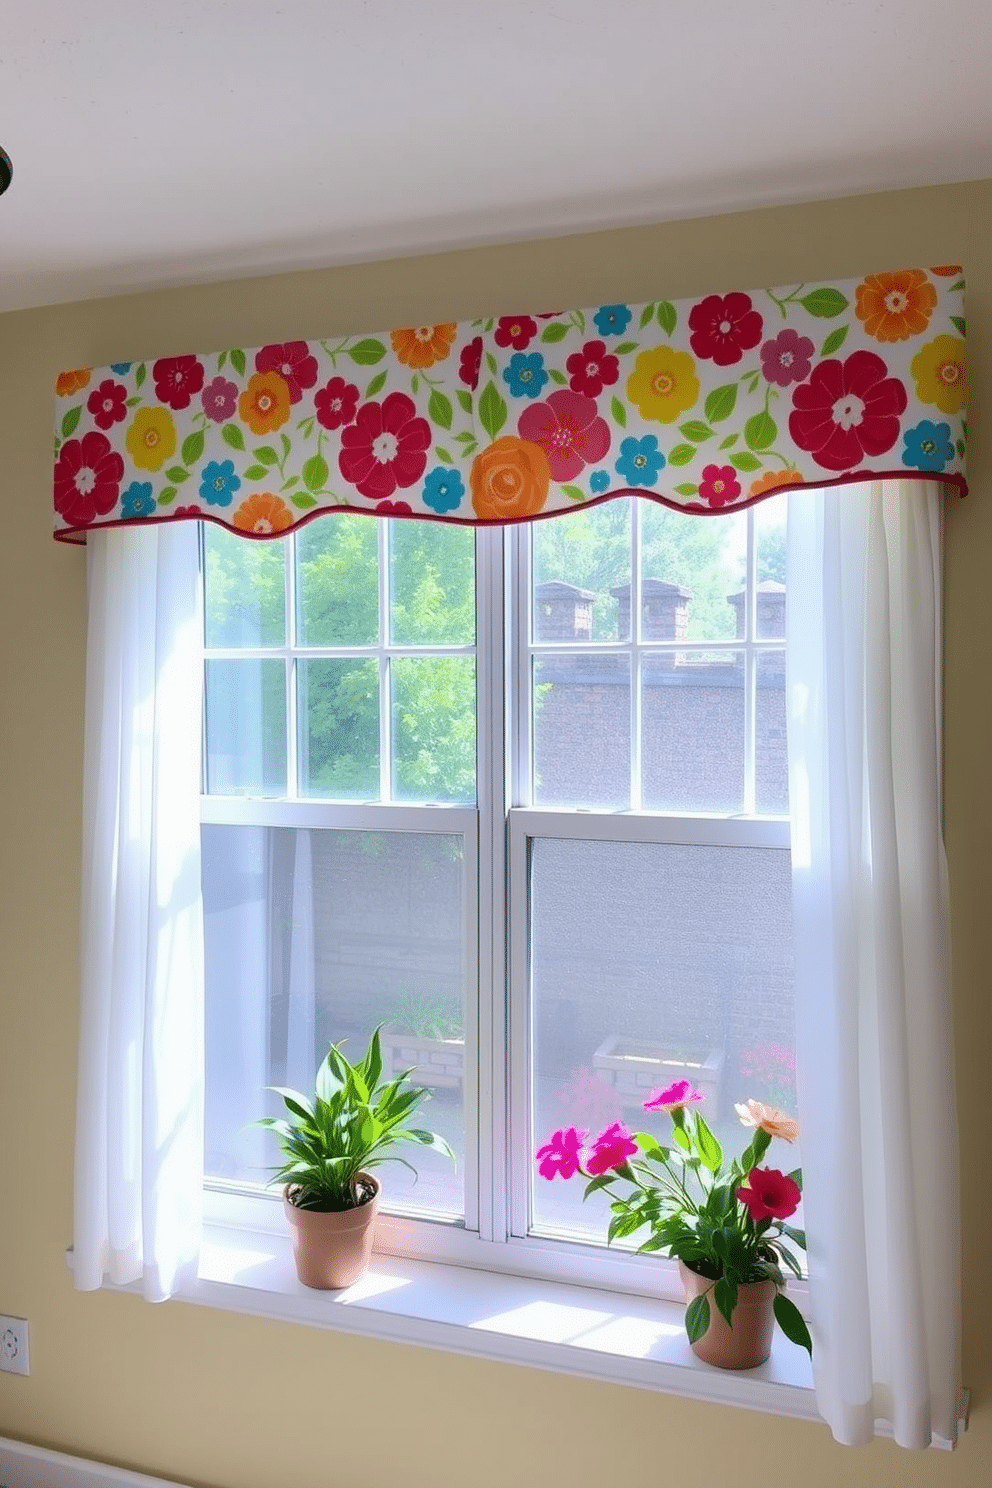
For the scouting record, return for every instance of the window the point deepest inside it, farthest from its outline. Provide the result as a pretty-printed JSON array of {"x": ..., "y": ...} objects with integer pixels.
[{"x": 519, "y": 796}]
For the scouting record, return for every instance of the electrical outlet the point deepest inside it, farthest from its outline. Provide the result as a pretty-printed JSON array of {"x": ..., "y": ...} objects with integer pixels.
[{"x": 14, "y": 1345}]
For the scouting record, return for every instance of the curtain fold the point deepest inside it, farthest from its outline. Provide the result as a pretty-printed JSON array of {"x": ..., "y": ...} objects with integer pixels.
[
  {"x": 139, "y": 1129},
  {"x": 874, "y": 1035}
]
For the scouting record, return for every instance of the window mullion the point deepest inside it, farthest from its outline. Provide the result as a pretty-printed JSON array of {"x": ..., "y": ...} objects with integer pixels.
[{"x": 750, "y": 668}]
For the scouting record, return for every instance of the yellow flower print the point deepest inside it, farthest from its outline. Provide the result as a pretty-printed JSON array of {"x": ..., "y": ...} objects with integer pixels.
[
  {"x": 151, "y": 438},
  {"x": 663, "y": 383},
  {"x": 941, "y": 372}
]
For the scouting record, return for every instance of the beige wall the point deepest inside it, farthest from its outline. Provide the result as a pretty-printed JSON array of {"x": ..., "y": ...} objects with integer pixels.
[{"x": 234, "y": 1402}]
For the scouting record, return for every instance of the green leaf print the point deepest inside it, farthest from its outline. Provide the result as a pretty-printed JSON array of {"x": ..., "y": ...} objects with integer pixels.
[
  {"x": 192, "y": 447},
  {"x": 558, "y": 377},
  {"x": 232, "y": 435},
  {"x": 687, "y": 489},
  {"x": 167, "y": 496},
  {"x": 667, "y": 317},
  {"x": 682, "y": 454},
  {"x": 744, "y": 461},
  {"x": 177, "y": 473},
  {"x": 376, "y": 385},
  {"x": 464, "y": 398},
  {"x": 366, "y": 352},
  {"x": 439, "y": 409},
  {"x": 825, "y": 302},
  {"x": 140, "y": 374},
  {"x": 444, "y": 454},
  {"x": 721, "y": 402},
  {"x": 304, "y": 503},
  {"x": 619, "y": 413},
  {"x": 238, "y": 362},
  {"x": 574, "y": 493},
  {"x": 626, "y": 347},
  {"x": 554, "y": 332},
  {"x": 760, "y": 431},
  {"x": 492, "y": 410},
  {"x": 958, "y": 323},
  {"x": 266, "y": 454},
  {"x": 71, "y": 420},
  {"x": 834, "y": 341},
  {"x": 256, "y": 472},
  {"x": 315, "y": 473},
  {"x": 729, "y": 442},
  {"x": 647, "y": 315},
  {"x": 696, "y": 431}
]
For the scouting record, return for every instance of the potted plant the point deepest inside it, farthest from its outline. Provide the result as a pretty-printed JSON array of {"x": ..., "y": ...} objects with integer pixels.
[
  {"x": 330, "y": 1144},
  {"x": 424, "y": 1035},
  {"x": 725, "y": 1224}
]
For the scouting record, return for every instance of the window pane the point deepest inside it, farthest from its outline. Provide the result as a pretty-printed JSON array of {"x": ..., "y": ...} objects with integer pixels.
[
  {"x": 339, "y": 729},
  {"x": 693, "y": 729},
  {"x": 771, "y": 759},
  {"x": 582, "y": 730},
  {"x": 690, "y": 566},
  {"x": 636, "y": 982},
  {"x": 338, "y": 581},
  {"x": 770, "y": 519},
  {"x": 317, "y": 936},
  {"x": 433, "y": 708},
  {"x": 246, "y": 728},
  {"x": 244, "y": 590},
  {"x": 432, "y": 589},
  {"x": 580, "y": 564}
]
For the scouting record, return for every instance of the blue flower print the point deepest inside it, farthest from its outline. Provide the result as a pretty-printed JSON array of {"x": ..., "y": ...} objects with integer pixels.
[
  {"x": 443, "y": 489},
  {"x": 928, "y": 446},
  {"x": 121, "y": 368},
  {"x": 525, "y": 376},
  {"x": 137, "y": 500},
  {"x": 612, "y": 320},
  {"x": 640, "y": 460},
  {"x": 219, "y": 482},
  {"x": 599, "y": 480}
]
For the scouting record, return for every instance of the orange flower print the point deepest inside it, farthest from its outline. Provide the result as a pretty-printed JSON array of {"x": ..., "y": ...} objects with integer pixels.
[
  {"x": 947, "y": 271},
  {"x": 263, "y": 512},
  {"x": 510, "y": 478},
  {"x": 772, "y": 479},
  {"x": 151, "y": 438},
  {"x": 264, "y": 404},
  {"x": 68, "y": 383},
  {"x": 941, "y": 373},
  {"x": 895, "y": 306},
  {"x": 422, "y": 346}
]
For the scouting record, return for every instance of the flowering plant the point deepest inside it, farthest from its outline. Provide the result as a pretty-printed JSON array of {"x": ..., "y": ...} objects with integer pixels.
[{"x": 724, "y": 1221}]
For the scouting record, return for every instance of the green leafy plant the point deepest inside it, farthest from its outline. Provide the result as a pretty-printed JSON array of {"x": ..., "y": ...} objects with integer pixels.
[
  {"x": 350, "y": 1126},
  {"x": 425, "y": 1016},
  {"x": 724, "y": 1221}
]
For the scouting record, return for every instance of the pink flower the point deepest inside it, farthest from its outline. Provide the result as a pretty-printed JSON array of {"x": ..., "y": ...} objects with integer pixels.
[
  {"x": 384, "y": 447},
  {"x": 847, "y": 410},
  {"x": 569, "y": 430},
  {"x": 787, "y": 358},
  {"x": 293, "y": 361},
  {"x": 336, "y": 403},
  {"x": 219, "y": 399},
  {"x": 611, "y": 1149},
  {"x": 177, "y": 379},
  {"x": 515, "y": 330},
  {"x": 108, "y": 403},
  {"x": 676, "y": 1095},
  {"x": 724, "y": 327},
  {"x": 719, "y": 485},
  {"x": 772, "y": 1195},
  {"x": 560, "y": 1154},
  {"x": 592, "y": 369}
]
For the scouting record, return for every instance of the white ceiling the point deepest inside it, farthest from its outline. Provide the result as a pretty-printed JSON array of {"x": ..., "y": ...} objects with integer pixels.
[{"x": 158, "y": 142}]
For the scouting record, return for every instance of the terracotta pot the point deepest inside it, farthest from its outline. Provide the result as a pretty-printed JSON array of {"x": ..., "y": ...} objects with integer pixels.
[
  {"x": 332, "y": 1248},
  {"x": 749, "y": 1342}
]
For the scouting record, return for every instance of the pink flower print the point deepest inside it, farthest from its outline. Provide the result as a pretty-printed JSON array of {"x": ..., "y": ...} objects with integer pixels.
[
  {"x": 108, "y": 403},
  {"x": 293, "y": 361},
  {"x": 787, "y": 358},
  {"x": 177, "y": 379},
  {"x": 560, "y": 1154},
  {"x": 219, "y": 399},
  {"x": 569, "y": 430},
  {"x": 385, "y": 447},
  {"x": 470, "y": 363}
]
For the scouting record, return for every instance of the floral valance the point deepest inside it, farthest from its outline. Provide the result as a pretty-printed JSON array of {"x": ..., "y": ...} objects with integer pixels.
[{"x": 705, "y": 405}]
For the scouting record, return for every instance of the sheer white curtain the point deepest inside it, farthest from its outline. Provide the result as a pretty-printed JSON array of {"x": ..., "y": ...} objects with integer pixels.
[
  {"x": 872, "y": 966},
  {"x": 139, "y": 1129}
]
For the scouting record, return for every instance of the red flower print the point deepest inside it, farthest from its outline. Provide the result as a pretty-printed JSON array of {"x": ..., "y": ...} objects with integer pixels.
[
  {"x": 88, "y": 475},
  {"x": 177, "y": 379},
  {"x": 719, "y": 485},
  {"x": 394, "y": 509},
  {"x": 470, "y": 362},
  {"x": 294, "y": 363},
  {"x": 385, "y": 447},
  {"x": 771, "y": 1195},
  {"x": 569, "y": 430},
  {"x": 515, "y": 330},
  {"x": 847, "y": 410},
  {"x": 724, "y": 327},
  {"x": 592, "y": 369},
  {"x": 336, "y": 403},
  {"x": 108, "y": 404},
  {"x": 786, "y": 358}
]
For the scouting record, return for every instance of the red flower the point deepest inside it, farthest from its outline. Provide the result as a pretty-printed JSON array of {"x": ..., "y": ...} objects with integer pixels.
[
  {"x": 611, "y": 1149},
  {"x": 592, "y": 369},
  {"x": 293, "y": 361},
  {"x": 88, "y": 475},
  {"x": 569, "y": 430},
  {"x": 336, "y": 403},
  {"x": 177, "y": 379},
  {"x": 470, "y": 362},
  {"x": 515, "y": 330},
  {"x": 772, "y": 1195},
  {"x": 724, "y": 327},
  {"x": 108, "y": 404},
  {"x": 560, "y": 1154},
  {"x": 719, "y": 485},
  {"x": 385, "y": 447},
  {"x": 847, "y": 410}
]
